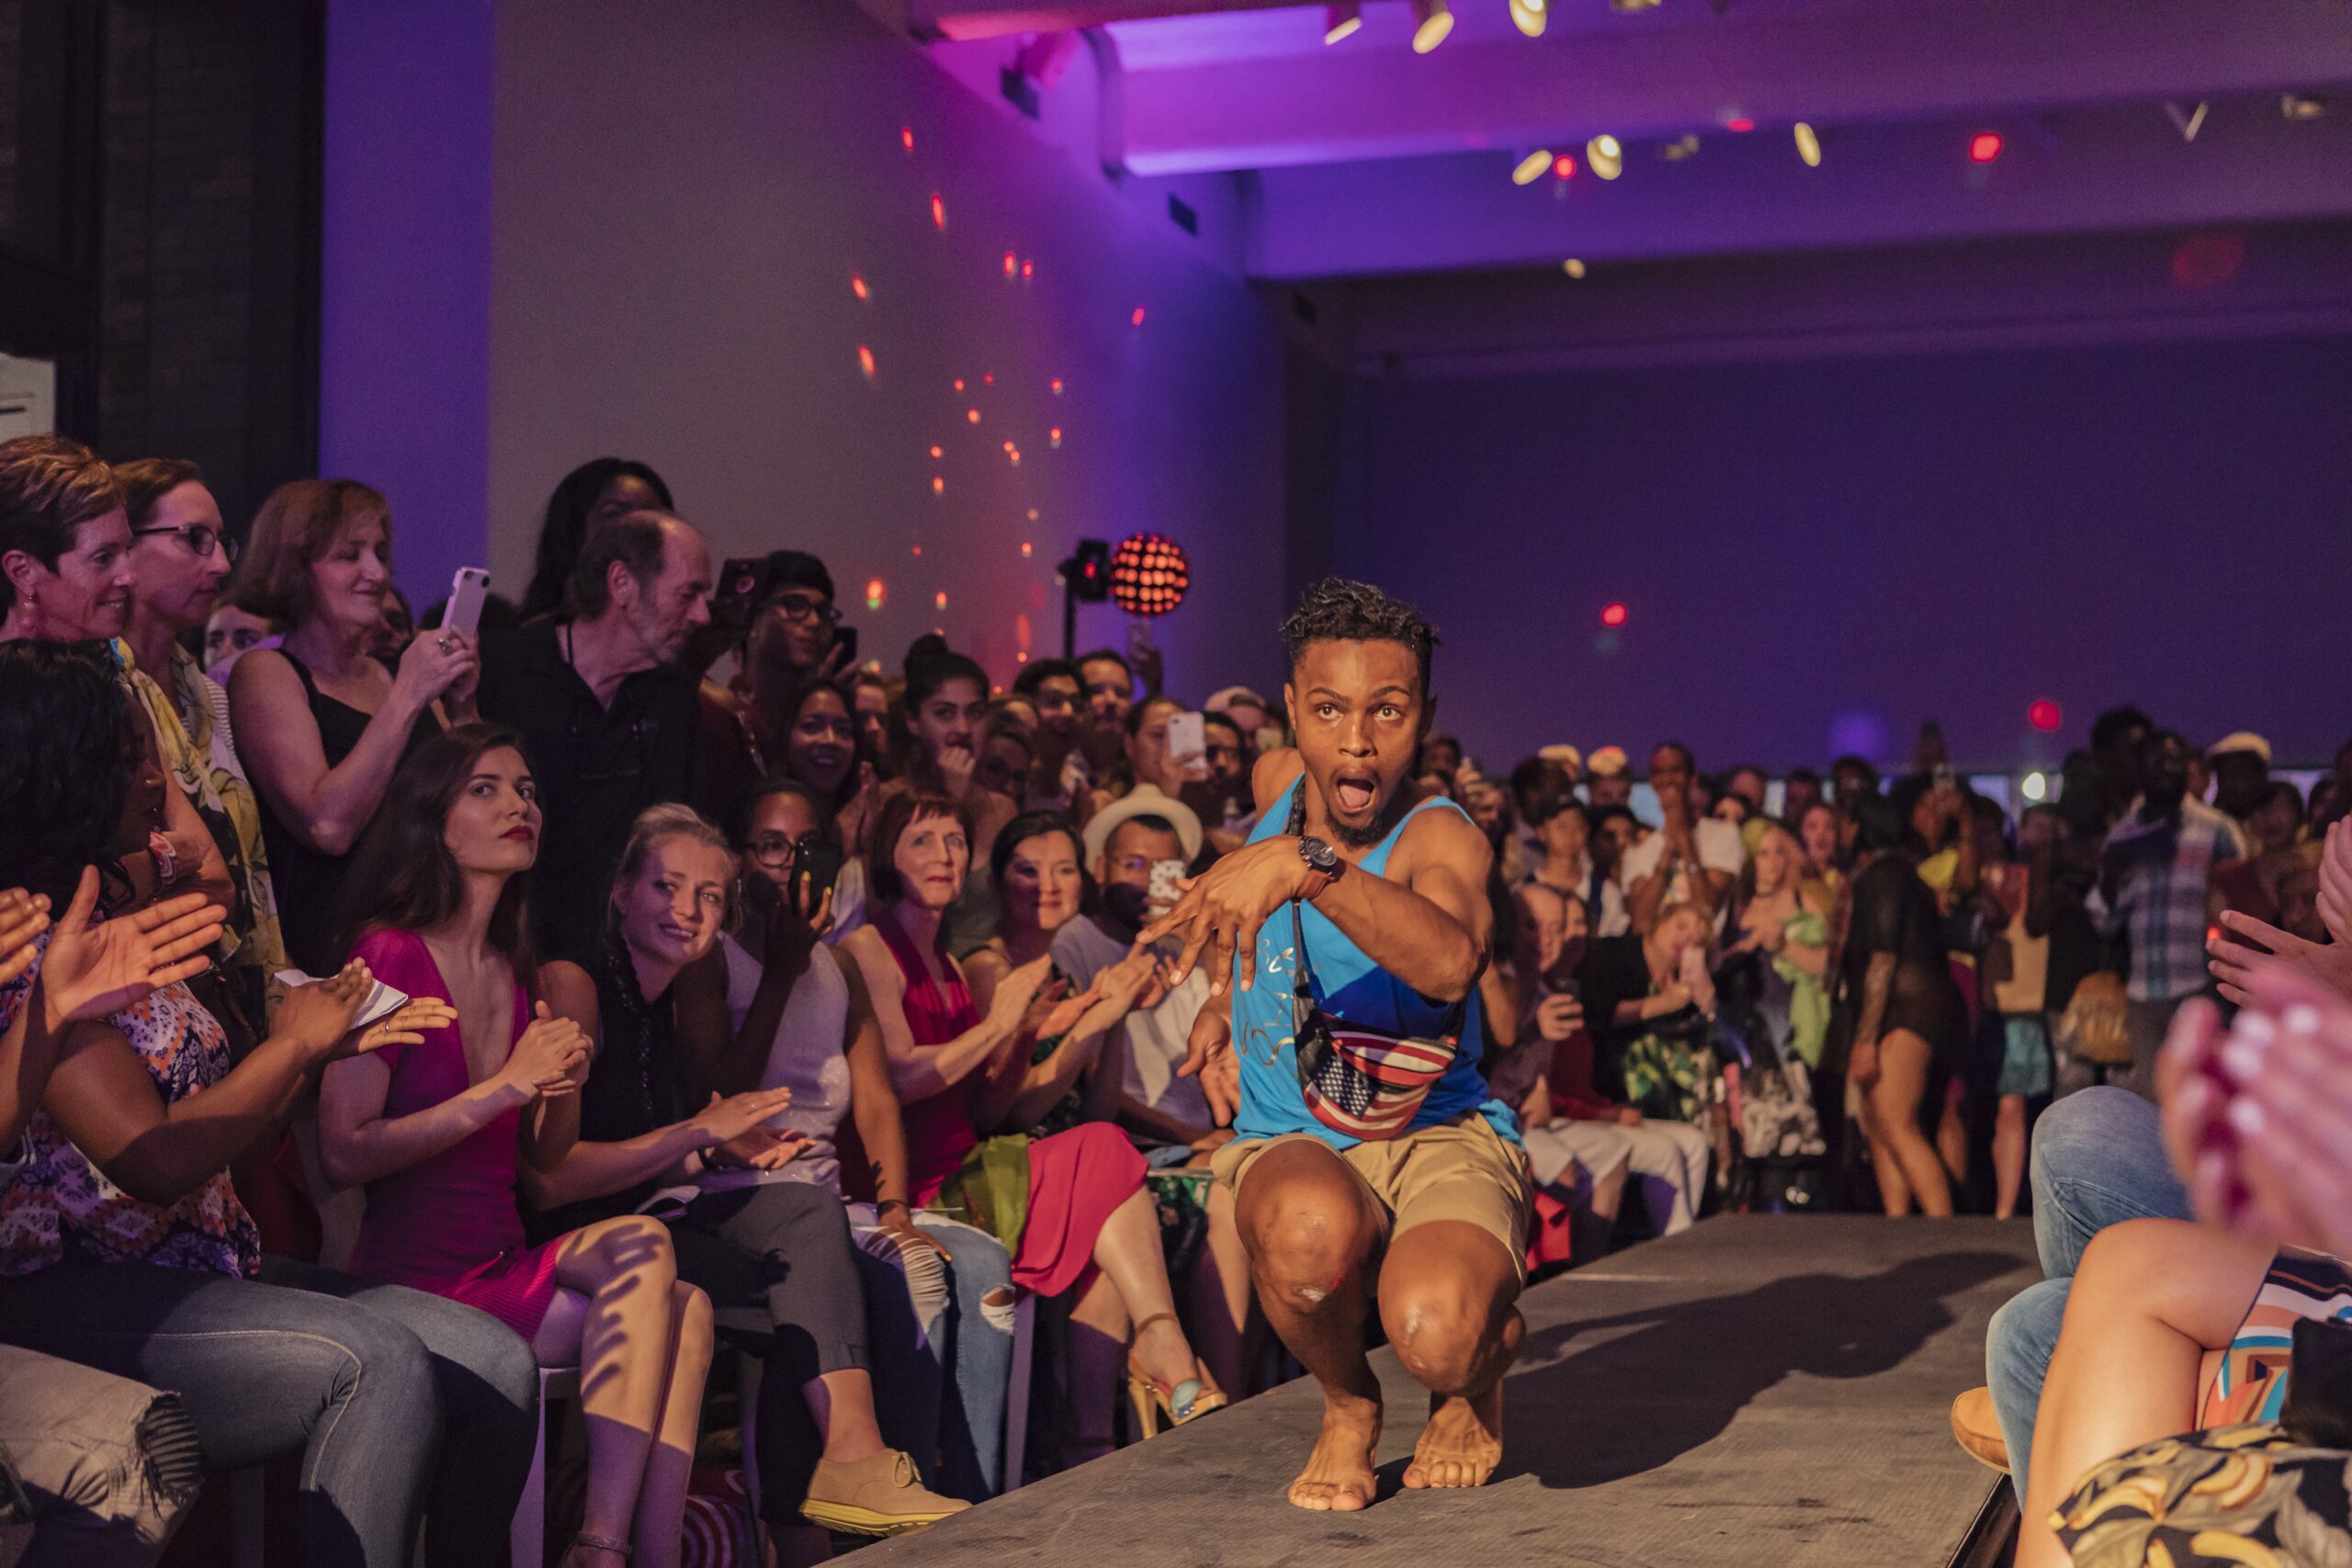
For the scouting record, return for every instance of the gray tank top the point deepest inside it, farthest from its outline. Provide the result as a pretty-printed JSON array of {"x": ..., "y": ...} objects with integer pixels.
[{"x": 804, "y": 1057}]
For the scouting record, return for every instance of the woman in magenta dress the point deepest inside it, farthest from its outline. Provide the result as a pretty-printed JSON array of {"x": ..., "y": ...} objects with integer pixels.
[
  {"x": 442, "y": 1131},
  {"x": 960, "y": 1074}
]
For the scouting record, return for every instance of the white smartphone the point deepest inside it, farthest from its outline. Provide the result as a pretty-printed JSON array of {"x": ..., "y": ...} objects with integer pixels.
[
  {"x": 1188, "y": 746},
  {"x": 1163, "y": 893},
  {"x": 467, "y": 592}
]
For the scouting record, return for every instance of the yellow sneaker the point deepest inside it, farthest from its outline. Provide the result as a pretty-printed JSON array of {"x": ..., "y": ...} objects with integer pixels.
[{"x": 878, "y": 1495}]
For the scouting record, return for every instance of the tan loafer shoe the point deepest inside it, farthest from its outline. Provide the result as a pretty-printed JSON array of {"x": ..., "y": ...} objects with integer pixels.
[
  {"x": 1979, "y": 1432},
  {"x": 878, "y": 1495}
]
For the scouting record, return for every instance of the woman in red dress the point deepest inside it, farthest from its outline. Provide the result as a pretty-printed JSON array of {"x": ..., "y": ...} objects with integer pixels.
[
  {"x": 440, "y": 1133},
  {"x": 961, "y": 1077}
]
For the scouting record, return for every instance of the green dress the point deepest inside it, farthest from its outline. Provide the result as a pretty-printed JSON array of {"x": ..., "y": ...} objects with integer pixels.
[{"x": 1808, "y": 997}]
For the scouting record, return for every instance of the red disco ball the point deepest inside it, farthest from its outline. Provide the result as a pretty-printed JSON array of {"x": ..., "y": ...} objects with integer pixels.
[{"x": 1148, "y": 574}]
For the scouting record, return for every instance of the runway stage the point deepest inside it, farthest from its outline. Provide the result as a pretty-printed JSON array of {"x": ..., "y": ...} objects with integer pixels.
[{"x": 1765, "y": 1392}]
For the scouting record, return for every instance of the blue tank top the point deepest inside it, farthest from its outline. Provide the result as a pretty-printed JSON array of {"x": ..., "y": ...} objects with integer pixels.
[{"x": 1349, "y": 986}]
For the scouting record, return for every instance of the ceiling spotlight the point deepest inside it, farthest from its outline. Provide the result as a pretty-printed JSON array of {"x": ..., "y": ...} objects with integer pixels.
[
  {"x": 1808, "y": 145},
  {"x": 1632, "y": 4},
  {"x": 2187, "y": 121},
  {"x": 1681, "y": 147},
  {"x": 1573, "y": 267},
  {"x": 1984, "y": 146},
  {"x": 2301, "y": 105},
  {"x": 1532, "y": 167},
  {"x": 1604, "y": 156},
  {"x": 1431, "y": 22},
  {"x": 1340, "y": 20},
  {"x": 1529, "y": 16}
]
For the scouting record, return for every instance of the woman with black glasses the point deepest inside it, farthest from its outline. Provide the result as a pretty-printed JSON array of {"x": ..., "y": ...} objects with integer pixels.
[{"x": 180, "y": 558}]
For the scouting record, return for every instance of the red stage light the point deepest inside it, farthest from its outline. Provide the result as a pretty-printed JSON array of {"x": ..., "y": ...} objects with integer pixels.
[
  {"x": 872, "y": 593},
  {"x": 938, "y": 213},
  {"x": 988, "y": 379},
  {"x": 959, "y": 383},
  {"x": 1742, "y": 125},
  {"x": 1984, "y": 146},
  {"x": 857, "y": 286},
  {"x": 935, "y": 452},
  {"x": 2044, "y": 714},
  {"x": 1564, "y": 166},
  {"x": 1028, "y": 271},
  {"x": 907, "y": 137},
  {"x": 1055, "y": 386},
  {"x": 1136, "y": 320},
  {"x": 1012, "y": 264},
  {"x": 1612, "y": 613},
  {"x": 866, "y": 361}
]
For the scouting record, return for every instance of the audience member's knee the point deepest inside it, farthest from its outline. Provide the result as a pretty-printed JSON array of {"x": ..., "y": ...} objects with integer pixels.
[
  {"x": 2082, "y": 1128},
  {"x": 638, "y": 1245},
  {"x": 697, "y": 1334},
  {"x": 2124, "y": 1259},
  {"x": 389, "y": 1361}
]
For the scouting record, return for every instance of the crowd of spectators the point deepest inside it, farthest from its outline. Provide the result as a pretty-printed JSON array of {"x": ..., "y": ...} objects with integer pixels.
[{"x": 752, "y": 994}]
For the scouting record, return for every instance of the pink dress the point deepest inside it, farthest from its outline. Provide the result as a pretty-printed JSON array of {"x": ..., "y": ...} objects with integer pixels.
[
  {"x": 448, "y": 1224},
  {"x": 1076, "y": 1178}
]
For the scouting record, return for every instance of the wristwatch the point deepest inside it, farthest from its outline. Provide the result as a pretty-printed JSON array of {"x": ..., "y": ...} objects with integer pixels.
[{"x": 1320, "y": 856}]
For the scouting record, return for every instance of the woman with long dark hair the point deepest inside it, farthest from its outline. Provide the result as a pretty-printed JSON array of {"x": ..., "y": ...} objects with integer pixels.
[
  {"x": 634, "y": 1143},
  {"x": 444, "y": 1128},
  {"x": 596, "y": 492},
  {"x": 122, "y": 1243}
]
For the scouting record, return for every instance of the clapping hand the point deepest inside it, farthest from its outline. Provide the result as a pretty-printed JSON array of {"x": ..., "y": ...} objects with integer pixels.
[
  {"x": 405, "y": 1025},
  {"x": 2259, "y": 1120},
  {"x": 23, "y": 917},
  {"x": 760, "y": 1148},
  {"x": 551, "y": 1059},
  {"x": 93, "y": 971},
  {"x": 2236, "y": 959},
  {"x": 316, "y": 1019},
  {"x": 725, "y": 1120}
]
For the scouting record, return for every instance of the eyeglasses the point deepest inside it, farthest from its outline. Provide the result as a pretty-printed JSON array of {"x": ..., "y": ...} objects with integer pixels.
[
  {"x": 797, "y": 607},
  {"x": 200, "y": 538},
  {"x": 773, "y": 849}
]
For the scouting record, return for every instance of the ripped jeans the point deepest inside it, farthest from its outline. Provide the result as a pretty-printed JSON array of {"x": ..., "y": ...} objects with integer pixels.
[{"x": 965, "y": 1313}]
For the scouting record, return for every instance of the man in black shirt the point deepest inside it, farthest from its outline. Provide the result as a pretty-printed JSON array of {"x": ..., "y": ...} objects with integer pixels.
[{"x": 609, "y": 719}]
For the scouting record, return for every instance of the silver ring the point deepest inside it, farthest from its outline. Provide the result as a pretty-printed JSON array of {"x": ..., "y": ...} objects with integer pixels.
[{"x": 445, "y": 644}]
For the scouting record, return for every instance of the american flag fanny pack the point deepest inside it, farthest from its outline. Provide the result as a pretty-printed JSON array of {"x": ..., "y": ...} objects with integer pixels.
[{"x": 1365, "y": 1082}]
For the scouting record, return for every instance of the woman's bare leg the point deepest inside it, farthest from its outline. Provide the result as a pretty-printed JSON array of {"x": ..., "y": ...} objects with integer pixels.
[
  {"x": 661, "y": 1503},
  {"x": 612, "y": 1319},
  {"x": 2009, "y": 1155},
  {"x": 2149, "y": 1300},
  {"x": 1220, "y": 1296},
  {"x": 1895, "y": 1138},
  {"x": 1098, "y": 1350},
  {"x": 1127, "y": 1251}
]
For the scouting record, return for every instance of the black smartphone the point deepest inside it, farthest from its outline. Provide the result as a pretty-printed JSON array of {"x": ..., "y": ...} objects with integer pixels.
[
  {"x": 742, "y": 585},
  {"x": 820, "y": 863},
  {"x": 845, "y": 639}
]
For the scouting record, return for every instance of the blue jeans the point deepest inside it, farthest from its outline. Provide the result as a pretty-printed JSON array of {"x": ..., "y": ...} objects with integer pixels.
[
  {"x": 357, "y": 1378},
  {"x": 975, "y": 1345},
  {"x": 2099, "y": 1159}
]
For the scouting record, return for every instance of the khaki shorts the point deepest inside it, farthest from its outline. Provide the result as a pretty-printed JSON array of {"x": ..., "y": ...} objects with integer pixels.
[{"x": 1460, "y": 1169}]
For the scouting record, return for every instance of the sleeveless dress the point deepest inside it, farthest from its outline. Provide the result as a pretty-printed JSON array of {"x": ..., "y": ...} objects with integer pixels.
[
  {"x": 1076, "y": 1178},
  {"x": 449, "y": 1225},
  {"x": 1350, "y": 986},
  {"x": 805, "y": 1057},
  {"x": 309, "y": 882}
]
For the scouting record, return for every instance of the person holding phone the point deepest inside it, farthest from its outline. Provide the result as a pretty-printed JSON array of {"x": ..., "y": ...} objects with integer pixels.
[{"x": 320, "y": 723}]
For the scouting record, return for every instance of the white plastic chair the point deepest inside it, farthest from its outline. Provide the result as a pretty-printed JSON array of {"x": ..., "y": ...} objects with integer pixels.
[{"x": 526, "y": 1538}]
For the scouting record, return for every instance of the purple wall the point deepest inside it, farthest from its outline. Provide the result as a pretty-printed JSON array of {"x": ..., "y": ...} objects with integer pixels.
[
  {"x": 404, "y": 273},
  {"x": 1869, "y": 542},
  {"x": 683, "y": 193}
]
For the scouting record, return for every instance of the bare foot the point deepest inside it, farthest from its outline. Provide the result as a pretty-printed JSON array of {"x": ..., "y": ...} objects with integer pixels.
[
  {"x": 1464, "y": 1441},
  {"x": 1337, "y": 1478}
]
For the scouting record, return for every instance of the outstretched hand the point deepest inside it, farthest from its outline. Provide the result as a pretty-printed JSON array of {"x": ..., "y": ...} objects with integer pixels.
[
  {"x": 2252, "y": 946},
  {"x": 93, "y": 971},
  {"x": 1208, "y": 1056},
  {"x": 1221, "y": 910}
]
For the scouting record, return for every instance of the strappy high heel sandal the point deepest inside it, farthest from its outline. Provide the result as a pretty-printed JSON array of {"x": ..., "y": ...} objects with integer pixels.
[{"x": 1157, "y": 1404}]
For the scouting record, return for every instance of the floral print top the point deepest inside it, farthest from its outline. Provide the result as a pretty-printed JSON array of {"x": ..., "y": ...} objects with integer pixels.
[{"x": 59, "y": 1208}]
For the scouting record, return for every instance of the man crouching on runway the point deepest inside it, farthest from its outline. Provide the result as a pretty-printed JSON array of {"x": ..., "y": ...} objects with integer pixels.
[{"x": 1345, "y": 944}]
